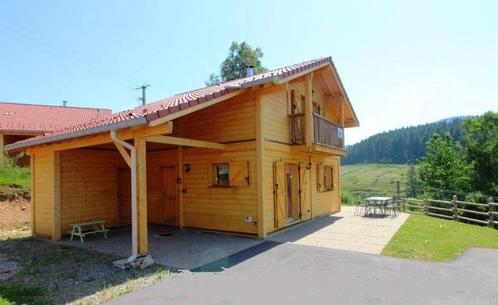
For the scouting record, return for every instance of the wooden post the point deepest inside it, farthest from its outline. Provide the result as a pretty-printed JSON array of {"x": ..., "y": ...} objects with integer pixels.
[
  {"x": 403, "y": 203},
  {"x": 397, "y": 189},
  {"x": 180, "y": 187},
  {"x": 308, "y": 112},
  {"x": 260, "y": 147},
  {"x": 56, "y": 229},
  {"x": 142, "y": 235},
  {"x": 32, "y": 195},
  {"x": 491, "y": 222},
  {"x": 455, "y": 208},
  {"x": 426, "y": 206}
]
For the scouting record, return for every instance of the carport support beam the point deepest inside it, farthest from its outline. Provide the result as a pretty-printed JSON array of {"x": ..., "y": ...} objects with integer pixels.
[{"x": 133, "y": 168}]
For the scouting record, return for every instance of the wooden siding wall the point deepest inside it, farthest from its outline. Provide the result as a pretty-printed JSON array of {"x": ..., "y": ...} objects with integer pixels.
[
  {"x": 219, "y": 208},
  {"x": 42, "y": 193},
  {"x": 89, "y": 186},
  {"x": 275, "y": 128},
  {"x": 228, "y": 121},
  {"x": 328, "y": 201}
]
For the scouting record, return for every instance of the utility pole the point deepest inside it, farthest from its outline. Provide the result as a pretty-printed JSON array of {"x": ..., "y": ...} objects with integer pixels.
[{"x": 143, "y": 88}]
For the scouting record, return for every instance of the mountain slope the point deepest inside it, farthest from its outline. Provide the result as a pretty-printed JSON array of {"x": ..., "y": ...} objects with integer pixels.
[{"x": 402, "y": 145}]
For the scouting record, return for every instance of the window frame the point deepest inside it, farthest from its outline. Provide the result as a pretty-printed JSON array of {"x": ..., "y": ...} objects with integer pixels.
[{"x": 215, "y": 174}]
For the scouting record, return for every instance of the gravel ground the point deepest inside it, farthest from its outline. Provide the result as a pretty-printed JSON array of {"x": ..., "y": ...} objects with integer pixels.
[{"x": 58, "y": 274}]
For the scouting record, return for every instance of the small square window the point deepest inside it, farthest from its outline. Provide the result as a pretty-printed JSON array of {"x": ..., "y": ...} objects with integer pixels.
[{"x": 221, "y": 174}]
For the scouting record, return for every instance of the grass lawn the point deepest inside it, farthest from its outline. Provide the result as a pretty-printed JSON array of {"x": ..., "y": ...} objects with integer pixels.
[
  {"x": 13, "y": 177},
  {"x": 434, "y": 239},
  {"x": 374, "y": 178},
  {"x": 50, "y": 273}
]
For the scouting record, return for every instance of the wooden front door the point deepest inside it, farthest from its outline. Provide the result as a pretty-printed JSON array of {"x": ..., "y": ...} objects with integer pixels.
[
  {"x": 286, "y": 187},
  {"x": 169, "y": 196},
  {"x": 124, "y": 196}
]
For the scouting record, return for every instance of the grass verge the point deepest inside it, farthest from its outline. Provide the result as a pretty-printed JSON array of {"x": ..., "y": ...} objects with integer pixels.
[{"x": 433, "y": 239}]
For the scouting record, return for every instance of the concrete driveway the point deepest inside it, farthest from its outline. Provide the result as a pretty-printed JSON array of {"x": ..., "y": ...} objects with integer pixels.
[{"x": 295, "y": 274}]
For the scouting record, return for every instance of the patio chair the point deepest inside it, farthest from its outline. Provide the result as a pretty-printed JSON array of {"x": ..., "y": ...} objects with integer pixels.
[
  {"x": 394, "y": 206},
  {"x": 360, "y": 207}
]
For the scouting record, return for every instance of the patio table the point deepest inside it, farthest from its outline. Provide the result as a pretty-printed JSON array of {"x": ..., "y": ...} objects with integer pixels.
[{"x": 377, "y": 202}]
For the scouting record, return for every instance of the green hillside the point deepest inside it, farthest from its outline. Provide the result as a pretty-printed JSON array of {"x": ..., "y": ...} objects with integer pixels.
[{"x": 364, "y": 180}]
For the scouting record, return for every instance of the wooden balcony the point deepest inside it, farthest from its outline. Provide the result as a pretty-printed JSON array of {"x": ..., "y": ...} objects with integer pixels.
[
  {"x": 327, "y": 133},
  {"x": 328, "y": 137}
]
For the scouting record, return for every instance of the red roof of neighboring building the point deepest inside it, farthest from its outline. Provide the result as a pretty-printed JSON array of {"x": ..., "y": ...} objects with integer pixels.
[
  {"x": 145, "y": 114},
  {"x": 31, "y": 118}
]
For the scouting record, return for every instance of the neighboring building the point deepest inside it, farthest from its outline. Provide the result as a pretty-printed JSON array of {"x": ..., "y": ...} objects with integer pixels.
[
  {"x": 21, "y": 121},
  {"x": 249, "y": 156}
]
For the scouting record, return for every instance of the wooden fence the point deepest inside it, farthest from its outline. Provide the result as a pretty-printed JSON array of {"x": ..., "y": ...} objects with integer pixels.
[{"x": 477, "y": 213}]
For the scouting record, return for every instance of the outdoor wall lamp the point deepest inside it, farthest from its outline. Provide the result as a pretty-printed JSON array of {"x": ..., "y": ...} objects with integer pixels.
[{"x": 186, "y": 168}]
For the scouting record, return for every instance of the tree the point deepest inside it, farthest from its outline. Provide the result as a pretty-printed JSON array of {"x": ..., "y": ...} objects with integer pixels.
[
  {"x": 240, "y": 56},
  {"x": 412, "y": 181},
  {"x": 481, "y": 144},
  {"x": 444, "y": 165}
]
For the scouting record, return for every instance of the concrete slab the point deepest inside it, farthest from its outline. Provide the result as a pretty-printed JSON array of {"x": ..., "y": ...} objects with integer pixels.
[
  {"x": 344, "y": 231},
  {"x": 187, "y": 249}
]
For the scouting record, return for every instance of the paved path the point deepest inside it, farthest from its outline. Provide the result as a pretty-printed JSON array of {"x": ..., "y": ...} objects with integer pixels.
[
  {"x": 345, "y": 231},
  {"x": 294, "y": 274}
]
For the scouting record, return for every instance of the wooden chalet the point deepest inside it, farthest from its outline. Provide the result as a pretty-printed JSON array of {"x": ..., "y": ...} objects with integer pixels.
[{"x": 249, "y": 156}]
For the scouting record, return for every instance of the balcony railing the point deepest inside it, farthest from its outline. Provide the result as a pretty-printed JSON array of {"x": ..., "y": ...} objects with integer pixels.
[{"x": 326, "y": 132}]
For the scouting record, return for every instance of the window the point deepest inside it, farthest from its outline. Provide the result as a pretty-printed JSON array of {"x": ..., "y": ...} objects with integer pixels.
[
  {"x": 328, "y": 178},
  {"x": 325, "y": 178},
  {"x": 221, "y": 174}
]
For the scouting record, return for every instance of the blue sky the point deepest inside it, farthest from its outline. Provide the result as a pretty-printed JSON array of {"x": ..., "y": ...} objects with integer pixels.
[{"x": 402, "y": 63}]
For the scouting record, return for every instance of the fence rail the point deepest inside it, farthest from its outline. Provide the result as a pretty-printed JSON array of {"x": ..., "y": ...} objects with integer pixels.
[{"x": 484, "y": 214}]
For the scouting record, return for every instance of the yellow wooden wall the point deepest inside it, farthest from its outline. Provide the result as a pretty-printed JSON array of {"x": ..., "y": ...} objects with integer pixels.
[
  {"x": 219, "y": 208},
  {"x": 276, "y": 134},
  {"x": 42, "y": 193},
  {"x": 89, "y": 186},
  {"x": 228, "y": 121}
]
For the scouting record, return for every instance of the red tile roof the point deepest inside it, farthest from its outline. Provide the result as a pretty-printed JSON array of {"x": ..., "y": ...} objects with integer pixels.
[
  {"x": 164, "y": 107},
  {"x": 31, "y": 118}
]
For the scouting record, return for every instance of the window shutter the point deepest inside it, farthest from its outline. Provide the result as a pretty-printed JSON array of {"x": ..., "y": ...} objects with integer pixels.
[
  {"x": 279, "y": 194},
  {"x": 305, "y": 190},
  {"x": 239, "y": 173},
  {"x": 319, "y": 177}
]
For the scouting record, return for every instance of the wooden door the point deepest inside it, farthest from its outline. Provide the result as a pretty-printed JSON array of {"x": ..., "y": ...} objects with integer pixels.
[
  {"x": 279, "y": 191},
  {"x": 292, "y": 192},
  {"x": 169, "y": 196},
  {"x": 304, "y": 191},
  {"x": 124, "y": 196}
]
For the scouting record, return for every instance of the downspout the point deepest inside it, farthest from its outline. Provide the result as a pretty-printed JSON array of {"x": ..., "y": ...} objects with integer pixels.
[{"x": 133, "y": 153}]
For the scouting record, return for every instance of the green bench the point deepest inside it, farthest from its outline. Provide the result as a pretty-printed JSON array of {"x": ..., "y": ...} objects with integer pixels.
[{"x": 86, "y": 228}]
